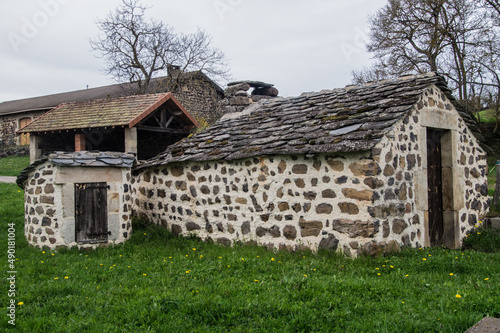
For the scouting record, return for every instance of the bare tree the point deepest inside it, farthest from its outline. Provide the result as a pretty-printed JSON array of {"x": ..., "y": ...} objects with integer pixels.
[
  {"x": 457, "y": 38},
  {"x": 137, "y": 50}
]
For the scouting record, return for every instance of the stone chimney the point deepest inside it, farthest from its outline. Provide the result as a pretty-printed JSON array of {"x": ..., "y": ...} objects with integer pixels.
[
  {"x": 173, "y": 70},
  {"x": 239, "y": 99}
]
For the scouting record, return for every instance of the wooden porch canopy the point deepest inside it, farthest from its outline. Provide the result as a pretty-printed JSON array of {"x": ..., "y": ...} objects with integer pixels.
[{"x": 154, "y": 112}]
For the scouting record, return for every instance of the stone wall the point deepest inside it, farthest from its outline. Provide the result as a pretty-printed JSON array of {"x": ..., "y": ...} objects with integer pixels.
[
  {"x": 201, "y": 99},
  {"x": 15, "y": 151},
  {"x": 9, "y": 124},
  {"x": 49, "y": 204},
  {"x": 282, "y": 202}
]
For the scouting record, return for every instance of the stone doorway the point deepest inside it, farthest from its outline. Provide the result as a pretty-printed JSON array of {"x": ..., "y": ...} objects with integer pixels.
[{"x": 442, "y": 215}]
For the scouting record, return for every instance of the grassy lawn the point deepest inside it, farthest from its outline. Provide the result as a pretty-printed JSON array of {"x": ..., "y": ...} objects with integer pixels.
[
  {"x": 13, "y": 165},
  {"x": 487, "y": 116},
  {"x": 159, "y": 283}
]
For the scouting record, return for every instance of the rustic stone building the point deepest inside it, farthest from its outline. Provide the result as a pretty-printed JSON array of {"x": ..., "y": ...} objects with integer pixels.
[
  {"x": 77, "y": 199},
  {"x": 359, "y": 169},
  {"x": 363, "y": 168},
  {"x": 195, "y": 91}
]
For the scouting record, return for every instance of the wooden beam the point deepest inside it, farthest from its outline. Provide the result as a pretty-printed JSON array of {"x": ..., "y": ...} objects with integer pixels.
[
  {"x": 169, "y": 121},
  {"x": 162, "y": 130}
]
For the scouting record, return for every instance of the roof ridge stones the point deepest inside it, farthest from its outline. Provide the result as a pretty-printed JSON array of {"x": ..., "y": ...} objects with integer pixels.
[
  {"x": 80, "y": 159},
  {"x": 350, "y": 119}
]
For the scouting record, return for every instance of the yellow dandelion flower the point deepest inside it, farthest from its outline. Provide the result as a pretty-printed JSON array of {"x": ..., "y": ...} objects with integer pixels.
[
  {"x": 430, "y": 255},
  {"x": 479, "y": 233},
  {"x": 20, "y": 303},
  {"x": 378, "y": 273},
  {"x": 187, "y": 272},
  {"x": 391, "y": 266},
  {"x": 42, "y": 261},
  {"x": 52, "y": 254},
  {"x": 486, "y": 279},
  {"x": 144, "y": 274},
  {"x": 66, "y": 277},
  {"x": 144, "y": 234},
  {"x": 376, "y": 268},
  {"x": 458, "y": 296},
  {"x": 256, "y": 280},
  {"x": 201, "y": 256},
  {"x": 272, "y": 259},
  {"x": 43, "y": 251},
  {"x": 407, "y": 275},
  {"x": 228, "y": 265},
  {"x": 242, "y": 259},
  {"x": 451, "y": 274},
  {"x": 194, "y": 249},
  {"x": 383, "y": 265},
  {"x": 424, "y": 259},
  {"x": 56, "y": 278},
  {"x": 305, "y": 275}
]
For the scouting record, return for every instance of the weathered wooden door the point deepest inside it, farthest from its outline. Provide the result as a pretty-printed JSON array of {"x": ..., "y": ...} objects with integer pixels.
[
  {"x": 24, "y": 139},
  {"x": 435, "y": 187},
  {"x": 91, "y": 216}
]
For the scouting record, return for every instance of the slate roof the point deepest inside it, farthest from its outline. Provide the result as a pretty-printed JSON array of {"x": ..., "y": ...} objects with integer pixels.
[
  {"x": 82, "y": 158},
  {"x": 350, "y": 119},
  {"x": 48, "y": 102},
  {"x": 121, "y": 111}
]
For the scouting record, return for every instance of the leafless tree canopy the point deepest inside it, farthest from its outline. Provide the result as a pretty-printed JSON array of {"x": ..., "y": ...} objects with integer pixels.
[
  {"x": 457, "y": 38},
  {"x": 138, "y": 50}
]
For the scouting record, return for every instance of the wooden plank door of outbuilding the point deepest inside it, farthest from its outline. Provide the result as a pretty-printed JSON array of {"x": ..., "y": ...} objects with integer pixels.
[
  {"x": 435, "y": 187},
  {"x": 91, "y": 212}
]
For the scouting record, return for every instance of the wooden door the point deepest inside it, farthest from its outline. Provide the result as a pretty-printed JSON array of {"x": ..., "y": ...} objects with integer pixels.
[
  {"x": 24, "y": 139},
  {"x": 91, "y": 212},
  {"x": 435, "y": 187}
]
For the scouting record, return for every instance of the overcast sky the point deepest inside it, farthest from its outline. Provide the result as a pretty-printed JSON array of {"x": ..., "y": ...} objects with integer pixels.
[{"x": 299, "y": 46}]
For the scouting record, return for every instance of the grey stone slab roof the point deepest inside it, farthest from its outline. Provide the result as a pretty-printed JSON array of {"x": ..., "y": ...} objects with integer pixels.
[
  {"x": 351, "y": 119},
  {"x": 80, "y": 159}
]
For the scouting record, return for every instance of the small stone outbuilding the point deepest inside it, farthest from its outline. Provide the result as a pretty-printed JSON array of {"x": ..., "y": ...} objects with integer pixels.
[
  {"x": 363, "y": 168},
  {"x": 78, "y": 199}
]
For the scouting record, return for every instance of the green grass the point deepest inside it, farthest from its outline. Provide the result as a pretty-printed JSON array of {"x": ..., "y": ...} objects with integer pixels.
[
  {"x": 484, "y": 240},
  {"x": 159, "y": 283},
  {"x": 487, "y": 116},
  {"x": 492, "y": 175},
  {"x": 13, "y": 165}
]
